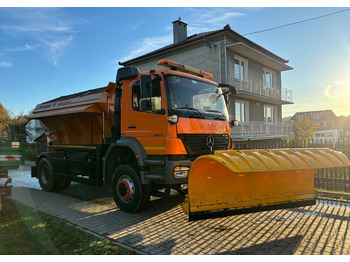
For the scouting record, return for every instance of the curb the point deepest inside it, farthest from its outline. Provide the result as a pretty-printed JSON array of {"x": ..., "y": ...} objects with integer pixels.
[{"x": 339, "y": 196}]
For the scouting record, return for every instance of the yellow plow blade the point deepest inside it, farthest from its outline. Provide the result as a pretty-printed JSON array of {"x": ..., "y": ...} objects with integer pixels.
[{"x": 243, "y": 181}]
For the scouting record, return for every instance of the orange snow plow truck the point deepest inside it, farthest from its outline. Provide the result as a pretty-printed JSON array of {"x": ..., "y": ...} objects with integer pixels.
[{"x": 169, "y": 128}]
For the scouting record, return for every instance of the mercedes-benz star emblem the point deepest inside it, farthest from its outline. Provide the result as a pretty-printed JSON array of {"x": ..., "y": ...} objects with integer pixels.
[{"x": 210, "y": 141}]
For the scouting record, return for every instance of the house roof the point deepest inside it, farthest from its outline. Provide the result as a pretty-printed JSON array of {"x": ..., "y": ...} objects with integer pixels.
[
  {"x": 325, "y": 114},
  {"x": 201, "y": 36}
]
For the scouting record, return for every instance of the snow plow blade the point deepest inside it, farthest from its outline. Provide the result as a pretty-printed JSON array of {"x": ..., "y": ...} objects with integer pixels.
[{"x": 244, "y": 181}]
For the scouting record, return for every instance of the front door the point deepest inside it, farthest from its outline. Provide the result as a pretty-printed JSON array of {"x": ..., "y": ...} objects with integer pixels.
[{"x": 147, "y": 124}]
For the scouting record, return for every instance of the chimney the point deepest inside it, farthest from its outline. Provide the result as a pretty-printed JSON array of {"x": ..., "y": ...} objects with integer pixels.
[{"x": 179, "y": 31}]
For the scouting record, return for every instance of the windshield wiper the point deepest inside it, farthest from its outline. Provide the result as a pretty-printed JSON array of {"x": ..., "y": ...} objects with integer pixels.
[
  {"x": 216, "y": 111},
  {"x": 193, "y": 109}
]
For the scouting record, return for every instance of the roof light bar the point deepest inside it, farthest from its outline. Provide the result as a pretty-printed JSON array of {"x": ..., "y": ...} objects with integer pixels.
[{"x": 183, "y": 68}]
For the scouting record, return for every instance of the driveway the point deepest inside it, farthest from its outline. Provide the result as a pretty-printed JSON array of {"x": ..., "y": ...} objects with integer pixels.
[{"x": 162, "y": 227}]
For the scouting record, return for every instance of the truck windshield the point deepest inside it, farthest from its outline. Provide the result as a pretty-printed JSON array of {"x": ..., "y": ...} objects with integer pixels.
[{"x": 197, "y": 99}]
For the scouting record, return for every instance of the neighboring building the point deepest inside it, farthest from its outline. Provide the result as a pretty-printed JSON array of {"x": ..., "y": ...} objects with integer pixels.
[
  {"x": 235, "y": 60},
  {"x": 328, "y": 126},
  {"x": 343, "y": 123},
  {"x": 323, "y": 119},
  {"x": 34, "y": 129}
]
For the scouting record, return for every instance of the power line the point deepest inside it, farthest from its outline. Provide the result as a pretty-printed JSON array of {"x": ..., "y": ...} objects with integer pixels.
[{"x": 298, "y": 22}]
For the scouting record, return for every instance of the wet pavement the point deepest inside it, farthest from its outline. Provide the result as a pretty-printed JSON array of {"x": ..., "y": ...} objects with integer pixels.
[{"x": 162, "y": 228}]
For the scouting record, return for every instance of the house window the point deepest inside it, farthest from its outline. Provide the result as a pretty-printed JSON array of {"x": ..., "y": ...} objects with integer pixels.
[
  {"x": 241, "y": 111},
  {"x": 269, "y": 78},
  {"x": 269, "y": 113},
  {"x": 240, "y": 68}
]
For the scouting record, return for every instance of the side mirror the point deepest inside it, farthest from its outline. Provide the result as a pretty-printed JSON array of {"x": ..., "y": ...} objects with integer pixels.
[
  {"x": 145, "y": 104},
  {"x": 234, "y": 123},
  {"x": 127, "y": 72},
  {"x": 146, "y": 86},
  {"x": 232, "y": 89}
]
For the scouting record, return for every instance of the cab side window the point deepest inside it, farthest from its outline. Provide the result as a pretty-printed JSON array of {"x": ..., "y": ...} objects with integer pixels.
[
  {"x": 157, "y": 96},
  {"x": 135, "y": 95},
  {"x": 155, "y": 100}
]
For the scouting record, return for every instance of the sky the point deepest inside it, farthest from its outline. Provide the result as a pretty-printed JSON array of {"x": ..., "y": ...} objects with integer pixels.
[{"x": 54, "y": 51}]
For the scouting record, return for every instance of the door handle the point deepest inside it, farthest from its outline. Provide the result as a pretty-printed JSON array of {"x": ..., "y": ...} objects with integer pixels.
[{"x": 133, "y": 126}]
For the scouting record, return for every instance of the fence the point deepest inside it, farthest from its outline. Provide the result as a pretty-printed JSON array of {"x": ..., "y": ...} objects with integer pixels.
[
  {"x": 330, "y": 179},
  {"x": 256, "y": 129},
  {"x": 258, "y": 144},
  {"x": 34, "y": 149}
]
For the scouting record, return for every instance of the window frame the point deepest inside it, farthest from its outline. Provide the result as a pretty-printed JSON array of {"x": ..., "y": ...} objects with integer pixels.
[
  {"x": 246, "y": 110},
  {"x": 274, "y": 113},
  {"x": 241, "y": 76},
  {"x": 273, "y": 74}
]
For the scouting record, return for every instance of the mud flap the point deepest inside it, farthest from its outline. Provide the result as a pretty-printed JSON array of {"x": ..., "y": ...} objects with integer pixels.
[{"x": 234, "y": 182}]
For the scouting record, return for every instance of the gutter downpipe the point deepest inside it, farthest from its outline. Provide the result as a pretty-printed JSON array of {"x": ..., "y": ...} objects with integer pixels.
[{"x": 226, "y": 78}]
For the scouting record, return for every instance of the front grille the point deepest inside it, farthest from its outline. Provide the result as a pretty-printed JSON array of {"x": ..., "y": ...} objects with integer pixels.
[{"x": 197, "y": 144}]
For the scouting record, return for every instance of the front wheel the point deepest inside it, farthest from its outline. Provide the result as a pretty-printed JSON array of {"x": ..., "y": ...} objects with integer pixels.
[{"x": 127, "y": 189}]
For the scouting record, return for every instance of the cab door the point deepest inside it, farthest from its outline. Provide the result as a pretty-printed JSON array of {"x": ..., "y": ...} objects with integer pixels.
[{"x": 146, "y": 116}]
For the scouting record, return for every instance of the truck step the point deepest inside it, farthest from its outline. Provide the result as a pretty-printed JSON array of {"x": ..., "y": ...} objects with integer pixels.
[
  {"x": 155, "y": 162},
  {"x": 153, "y": 176}
]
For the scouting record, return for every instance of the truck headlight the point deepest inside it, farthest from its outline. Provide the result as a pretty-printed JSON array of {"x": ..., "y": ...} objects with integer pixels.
[{"x": 181, "y": 172}]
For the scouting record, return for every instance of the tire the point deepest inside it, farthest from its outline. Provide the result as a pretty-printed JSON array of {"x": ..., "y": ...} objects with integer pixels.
[
  {"x": 63, "y": 184},
  {"x": 46, "y": 179},
  {"x": 128, "y": 192}
]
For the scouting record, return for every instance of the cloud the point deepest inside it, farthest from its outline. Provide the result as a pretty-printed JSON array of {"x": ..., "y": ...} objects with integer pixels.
[
  {"x": 213, "y": 16},
  {"x": 49, "y": 30},
  {"x": 134, "y": 27},
  {"x": 35, "y": 28},
  {"x": 148, "y": 44},
  {"x": 199, "y": 20},
  {"x": 207, "y": 19},
  {"x": 26, "y": 47},
  {"x": 5, "y": 64},
  {"x": 55, "y": 48}
]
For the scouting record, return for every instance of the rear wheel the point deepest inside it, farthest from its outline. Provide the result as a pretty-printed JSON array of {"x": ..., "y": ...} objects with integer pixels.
[
  {"x": 128, "y": 192},
  {"x": 46, "y": 179},
  {"x": 63, "y": 184}
]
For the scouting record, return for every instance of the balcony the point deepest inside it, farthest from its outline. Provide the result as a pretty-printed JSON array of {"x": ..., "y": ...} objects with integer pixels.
[
  {"x": 255, "y": 86},
  {"x": 260, "y": 130}
]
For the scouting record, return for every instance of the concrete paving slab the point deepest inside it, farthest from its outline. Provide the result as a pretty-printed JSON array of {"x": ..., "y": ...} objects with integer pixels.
[{"x": 162, "y": 227}]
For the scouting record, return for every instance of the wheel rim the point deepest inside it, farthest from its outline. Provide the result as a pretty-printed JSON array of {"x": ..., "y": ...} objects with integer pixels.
[
  {"x": 44, "y": 174},
  {"x": 126, "y": 189}
]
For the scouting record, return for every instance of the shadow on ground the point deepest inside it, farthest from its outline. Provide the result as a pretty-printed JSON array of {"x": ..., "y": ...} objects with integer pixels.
[{"x": 285, "y": 246}]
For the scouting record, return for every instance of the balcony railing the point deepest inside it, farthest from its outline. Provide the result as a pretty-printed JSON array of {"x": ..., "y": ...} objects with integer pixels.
[
  {"x": 255, "y": 129},
  {"x": 256, "y": 86}
]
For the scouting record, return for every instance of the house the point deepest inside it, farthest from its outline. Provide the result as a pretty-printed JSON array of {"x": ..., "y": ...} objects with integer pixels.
[
  {"x": 34, "y": 129},
  {"x": 343, "y": 123},
  {"x": 235, "y": 60},
  {"x": 328, "y": 125}
]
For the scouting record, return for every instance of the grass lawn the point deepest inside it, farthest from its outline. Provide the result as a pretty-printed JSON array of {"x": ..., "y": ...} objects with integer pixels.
[{"x": 24, "y": 231}]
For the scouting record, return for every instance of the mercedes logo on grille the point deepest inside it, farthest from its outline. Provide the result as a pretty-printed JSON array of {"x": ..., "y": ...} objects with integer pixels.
[{"x": 210, "y": 141}]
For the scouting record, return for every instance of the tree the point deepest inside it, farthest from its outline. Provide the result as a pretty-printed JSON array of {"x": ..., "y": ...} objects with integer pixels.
[
  {"x": 16, "y": 129},
  {"x": 12, "y": 127},
  {"x": 4, "y": 121},
  {"x": 304, "y": 129}
]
